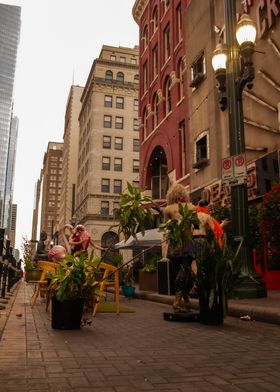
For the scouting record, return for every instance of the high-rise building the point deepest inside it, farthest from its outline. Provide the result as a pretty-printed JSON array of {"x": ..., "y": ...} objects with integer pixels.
[
  {"x": 70, "y": 156},
  {"x": 13, "y": 225},
  {"x": 10, "y": 171},
  {"x": 9, "y": 38},
  {"x": 108, "y": 140},
  {"x": 36, "y": 206},
  {"x": 51, "y": 191}
]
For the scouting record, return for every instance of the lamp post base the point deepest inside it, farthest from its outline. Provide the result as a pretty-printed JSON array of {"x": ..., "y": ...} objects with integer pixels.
[{"x": 249, "y": 287}]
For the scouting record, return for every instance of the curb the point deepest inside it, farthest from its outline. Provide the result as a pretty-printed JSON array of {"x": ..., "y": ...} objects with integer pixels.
[{"x": 258, "y": 313}]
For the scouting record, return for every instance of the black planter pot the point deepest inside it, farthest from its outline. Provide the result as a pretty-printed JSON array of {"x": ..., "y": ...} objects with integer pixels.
[
  {"x": 215, "y": 315},
  {"x": 67, "y": 314}
]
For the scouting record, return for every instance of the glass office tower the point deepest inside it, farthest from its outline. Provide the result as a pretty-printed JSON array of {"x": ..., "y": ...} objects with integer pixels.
[{"x": 9, "y": 38}]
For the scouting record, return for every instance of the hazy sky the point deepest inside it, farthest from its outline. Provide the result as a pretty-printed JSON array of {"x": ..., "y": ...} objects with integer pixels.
[{"x": 58, "y": 43}]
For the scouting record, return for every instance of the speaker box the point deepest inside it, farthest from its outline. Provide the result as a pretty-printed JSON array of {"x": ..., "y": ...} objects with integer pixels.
[{"x": 167, "y": 271}]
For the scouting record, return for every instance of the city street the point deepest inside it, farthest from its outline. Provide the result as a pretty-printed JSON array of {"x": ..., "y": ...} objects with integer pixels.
[{"x": 135, "y": 352}]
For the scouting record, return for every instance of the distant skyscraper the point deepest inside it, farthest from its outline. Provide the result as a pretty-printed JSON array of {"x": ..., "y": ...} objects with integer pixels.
[
  {"x": 10, "y": 170},
  {"x": 9, "y": 38}
]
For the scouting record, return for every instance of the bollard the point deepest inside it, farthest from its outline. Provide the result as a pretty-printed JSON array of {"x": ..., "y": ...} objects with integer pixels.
[{"x": 6, "y": 259}]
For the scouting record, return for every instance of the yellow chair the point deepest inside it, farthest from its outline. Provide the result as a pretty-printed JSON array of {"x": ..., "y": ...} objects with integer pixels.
[
  {"x": 46, "y": 266},
  {"x": 110, "y": 278}
]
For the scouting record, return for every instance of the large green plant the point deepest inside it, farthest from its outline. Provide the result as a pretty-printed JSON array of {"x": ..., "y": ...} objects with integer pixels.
[
  {"x": 217, "y": 271},
  {"x": 133, "y": 212},
  {"x": 180, "y": 231},
  {"x": 75, "y": 277}
]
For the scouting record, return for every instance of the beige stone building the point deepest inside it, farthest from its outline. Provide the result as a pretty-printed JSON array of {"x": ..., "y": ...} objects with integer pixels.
[
  {"x": 208, "y": 125},
  {"x": 70, "y": 156},
  {"x": 51, "y": 188},
  {"x": 109, "y": 139}
]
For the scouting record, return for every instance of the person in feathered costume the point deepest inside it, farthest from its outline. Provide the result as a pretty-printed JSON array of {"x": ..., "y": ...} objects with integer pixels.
[{"x": 218, "y": 227}]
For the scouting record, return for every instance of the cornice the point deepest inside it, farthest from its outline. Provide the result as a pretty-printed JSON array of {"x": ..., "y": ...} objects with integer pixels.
[{"x": 138, "y": 9}]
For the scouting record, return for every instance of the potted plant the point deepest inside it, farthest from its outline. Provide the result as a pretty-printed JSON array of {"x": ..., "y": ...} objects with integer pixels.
[
  {"x": 127, "y": 283},
  {"x": 32, "y": 272},
  {"x": 217, "y": 272},
  {"x": 72, "y": 289},
  {"x": 148, "y": 275}
]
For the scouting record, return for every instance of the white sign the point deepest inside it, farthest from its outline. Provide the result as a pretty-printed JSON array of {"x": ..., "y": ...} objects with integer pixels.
[
  {"x": 234, "y": 170},
  {"x": 227, "y": 170},
  {"x": 239, "y": 168}
]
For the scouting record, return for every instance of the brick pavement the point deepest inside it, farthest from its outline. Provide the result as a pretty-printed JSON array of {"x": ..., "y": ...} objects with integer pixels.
[{"x": 135, "y": 352}]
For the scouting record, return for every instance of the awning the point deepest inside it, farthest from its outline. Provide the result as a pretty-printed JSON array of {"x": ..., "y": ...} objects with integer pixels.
[{"x": 152, "y": 237}]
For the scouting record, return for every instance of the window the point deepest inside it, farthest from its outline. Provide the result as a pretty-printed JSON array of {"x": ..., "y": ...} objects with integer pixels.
[
  {"x": 117, "y": 186},
  {"x": 135, "y": 167},
  {"x": 122, "y": 59},
  {"x": 135, "y": 124},
  {"x": 120, "y": 102},
  {"x": 107, "y": 122},
  {"x": 118, "y": 164},
  {"x": 112, "y": 57},
  {"x": 105, "y": 185},
  {"x": 182, "y": 140},
  {"x": 136, "y": 145},
  {"x": 108, "y": 101},
  {"x": 167, "y": 96},
  {"x": 167, "y": 43},
  {"x": 104, "y": 208},
  {"x": 119, "y": 123},
  {"x": 145, "y": 77},
  {"x": 154, "y": 20},
  {"x": 105, "y": 163},
  {"x": 118, "y": 143},
  {"x": 198, "y": 71},
  {"x": 106, "y": 141},
  {"x": 109, "y": 75},
  {"x": 145, "y": 37},
  {"x": 145, "y": 121},
  {"x": 201, "y": 150},
  {"x": 136, "y": 105},
  {"x": 52, "y": 184},
  {"x": 181, "y": 78},
  {"x": 178, "y": 23},
  {"x": 155, "y": 62},
  {"x": 136, "y": 78},
  {"x": 135, "y": 184},
  {"x": 133, "y": 61},
  {"x": 155, "y": 109},
  {"x": 120, "y": 77}
]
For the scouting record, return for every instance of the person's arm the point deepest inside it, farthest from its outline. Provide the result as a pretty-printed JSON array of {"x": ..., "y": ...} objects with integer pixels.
[
  {"x": 210, "y": 223},
  {"x": 96, "y": 246}
]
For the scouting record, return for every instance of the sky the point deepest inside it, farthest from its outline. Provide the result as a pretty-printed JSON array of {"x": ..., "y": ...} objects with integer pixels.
[{"x": 58, "y": 42}]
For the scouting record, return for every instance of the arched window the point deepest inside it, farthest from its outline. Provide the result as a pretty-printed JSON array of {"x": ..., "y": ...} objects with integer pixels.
[
  {"x": 109, "y": 75},
  {"x": 154, "y": 20},
  {"x": 120, "y": 77},
  {"x": 155, "y": 110},
  {"x": 181, "y": 77},
  {"x": 107, "y": 241},
  {"x": 167, "y": 94},
  {"x": 145, "y": 122},
  {"x": 145, "y": 37}
]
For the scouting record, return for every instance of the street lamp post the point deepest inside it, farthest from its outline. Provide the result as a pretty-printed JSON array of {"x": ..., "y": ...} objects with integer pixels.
[{"x": 232, "y": 79}]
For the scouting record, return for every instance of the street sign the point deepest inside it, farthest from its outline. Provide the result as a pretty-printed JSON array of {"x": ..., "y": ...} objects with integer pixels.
[
  {"x": 234, "y": 170},
  {"x": 227, "y": 170}
]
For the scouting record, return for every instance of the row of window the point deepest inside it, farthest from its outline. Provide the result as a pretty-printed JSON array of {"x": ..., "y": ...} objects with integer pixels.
[
  {"x": 118, "y": 164},
  {"x": 109, "y": 76},
  {"x": 122, "y": 59}
]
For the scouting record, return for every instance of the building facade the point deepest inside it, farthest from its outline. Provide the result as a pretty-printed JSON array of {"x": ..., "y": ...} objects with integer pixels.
[
  {"x": 13, "y": 225},
  {"x": 184, "y": 135},
  {"x": 209, "y": 135},
  {"x": 109, "y": 139},
  {"x": 51, "y": 189},
  {"x": 164, "y": 132},
  {"x": 9, "y": 38},
  {"x": 70, "y": 157}
]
